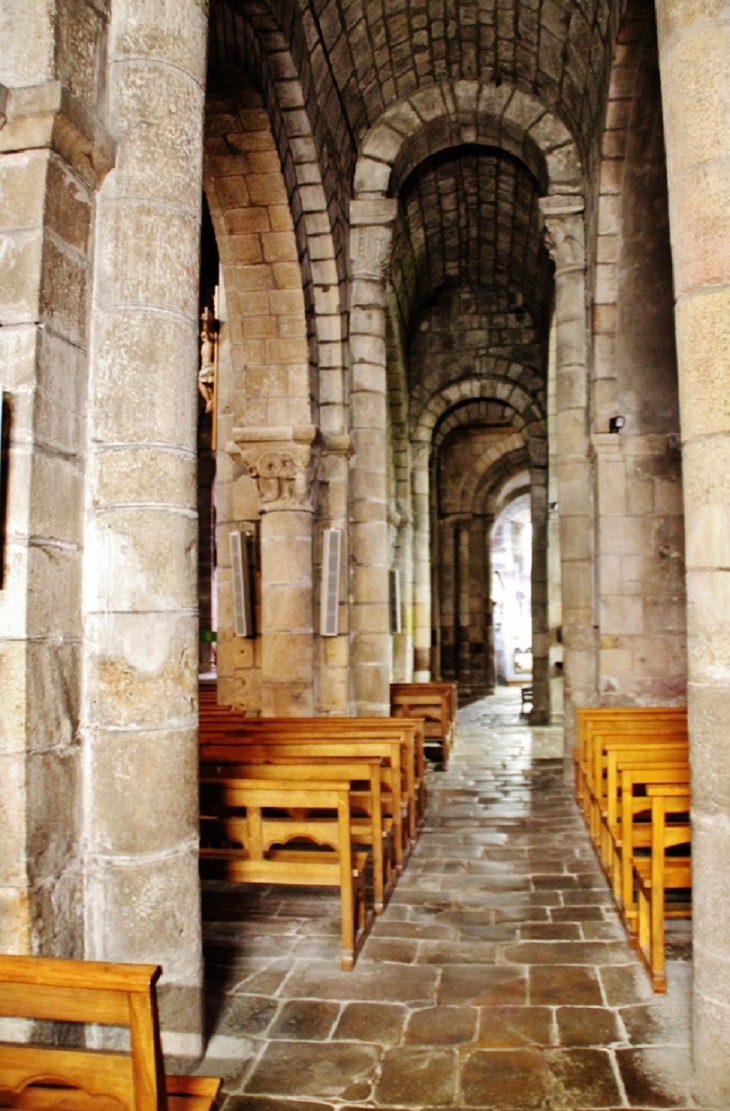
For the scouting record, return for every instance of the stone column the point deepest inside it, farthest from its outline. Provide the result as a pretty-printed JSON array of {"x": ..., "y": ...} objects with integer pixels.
[
  {"x": 490, "y": 662},
  {"x": 283, "y": 462},
  {"x": 478, "y": 606},
  {"x": 540, "y": 712},
  {"x": 422, "y": 619},
  {"x": 142, "y": 896},
  {"x": 446, "y": 570},
  {"x": 694, "y": 47},
  {"x": 566, "y": 242},
  {"x": 371, "y": 223},
  {"x": 53, "y": 159},
  {"x": 463, "y": 614},
  {"x": 403, "y": 641}
]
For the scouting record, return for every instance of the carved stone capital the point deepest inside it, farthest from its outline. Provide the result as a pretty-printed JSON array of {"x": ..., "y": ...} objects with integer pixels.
[
  {"x": 50, "y": 116},
  {"x": 283, "y": 461},
  {"x": 564, "y": 231},
  {"x": 420, "y": 454},
  {"x": 371, "y": 236}
]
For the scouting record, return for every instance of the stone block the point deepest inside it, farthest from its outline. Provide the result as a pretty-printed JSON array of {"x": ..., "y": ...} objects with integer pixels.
[
  {"x": 56, "y": 500},
  {"x": 703, "y": 342},
  {"x": 145, "y": 910},
  {"x": 152, "y": 360},
  {"x": 14, "y": 919},
  {"x": 143, "y": 667},
  {"x": 23, "y": 188},
  {"x": 13, "y": 821},
  {"x": 287, "y": 657},
  {"x": 148, "y": 256},
  {"x": 128, "y": 772},
  {"x": 153, "y": 30},
  {"x": 20, "y": 277},
  {"x": 128, "y": 560},
  {"x": 53, "y": 798}
]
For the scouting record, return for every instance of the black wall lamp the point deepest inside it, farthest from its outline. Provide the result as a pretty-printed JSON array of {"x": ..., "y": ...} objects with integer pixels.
[{"x": 615, "y": 424}]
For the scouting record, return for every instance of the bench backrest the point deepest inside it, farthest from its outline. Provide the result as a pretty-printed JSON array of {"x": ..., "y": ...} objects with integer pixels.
[{"x": 84, "y": 992}]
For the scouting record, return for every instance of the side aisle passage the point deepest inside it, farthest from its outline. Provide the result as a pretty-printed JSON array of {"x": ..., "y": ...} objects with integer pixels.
[{"x": 498, "y": 975}]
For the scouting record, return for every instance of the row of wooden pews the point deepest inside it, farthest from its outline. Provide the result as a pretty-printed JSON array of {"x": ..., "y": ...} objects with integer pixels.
[
  {"x": 42, "y": 1076},
  {"x": 436, "y": 702},
  {"x": 314, "y": 801},
  {"x": 633, "y": 787}
]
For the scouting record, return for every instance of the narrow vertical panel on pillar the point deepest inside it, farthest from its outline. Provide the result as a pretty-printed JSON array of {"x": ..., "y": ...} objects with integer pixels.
[
  {"x": 241, "y": 577},
  {"x": 396, "y": 624},
  {"x": 330, "y": 592}
]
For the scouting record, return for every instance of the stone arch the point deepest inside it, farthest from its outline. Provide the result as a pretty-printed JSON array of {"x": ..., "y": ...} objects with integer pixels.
[
  {"x": 464, "y": 112},
  {"x": 527, "y": 417}
]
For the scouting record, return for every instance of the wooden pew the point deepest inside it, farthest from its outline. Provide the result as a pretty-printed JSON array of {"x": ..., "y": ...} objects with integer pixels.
[
  {"x": 409, "y": 730},
  {"x": 623, "y": 755},
  {"x": 404, "y": 736},
  {"x": 42, "y": 1076},
  {"x": 435, "y": 702},
  {"x": 264, "y": 845},
  {"x": 598, "y": 769},
  {"x": 261, "y": 746},
  {"x": 638, "y": 781},
  {"x": 660, "y": 874},
  {"x": 368, "y": 824},
  {"x": 617, "y": 720}
]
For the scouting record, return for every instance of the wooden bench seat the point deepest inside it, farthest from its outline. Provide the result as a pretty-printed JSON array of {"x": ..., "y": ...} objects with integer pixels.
[
  {"x": 620, "y": 753},
  {"x": 245, "y": 748},
  {"x": 46, "y": 1076},
  {"x": 616, "y": 719},
  {"x": 661, "y": 874},
  {"x": 402, "y": 755},
  {"x": 369, "y": 825},
  {"x": 274, "y": 832},
  {"x": 436, "y": 703},
  {"x": 602, "y": 784}
]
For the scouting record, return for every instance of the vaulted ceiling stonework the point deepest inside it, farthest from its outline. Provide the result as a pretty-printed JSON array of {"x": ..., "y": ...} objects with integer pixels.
[{"x": 454, "y": 253}]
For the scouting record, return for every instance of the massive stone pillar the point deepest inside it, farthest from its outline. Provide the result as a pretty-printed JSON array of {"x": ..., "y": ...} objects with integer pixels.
[
  {"x": 694, "y": 47},
  {"x": 566, "y": 242},
  {"x": 142, "y": 898},
  {"x": 422, "y": 621},
  {"x": 371, "y": 224},
  {"x": 540, "y": 712},
  {"x": 284, "y": 467},
  {"x": 54, "y": 155}
]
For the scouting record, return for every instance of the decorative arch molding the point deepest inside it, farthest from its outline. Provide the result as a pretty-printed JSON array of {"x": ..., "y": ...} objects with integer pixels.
[
  {"x": 527, "y": 416},
  {"x": 453, "y": 114},
  {"x": 496, "y": 466},
  {"x": 489, "y": 494}
]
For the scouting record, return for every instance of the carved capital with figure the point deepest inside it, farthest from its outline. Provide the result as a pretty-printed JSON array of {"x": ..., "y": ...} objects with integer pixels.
[
  {"x": 564, "y": 231},
  {"x": 371, "y": 236},
  {"x": 283, "y": 464}
]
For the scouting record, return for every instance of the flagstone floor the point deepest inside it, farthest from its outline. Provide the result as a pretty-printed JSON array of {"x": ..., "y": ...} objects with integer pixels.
[{"x": 497, "y": 977}]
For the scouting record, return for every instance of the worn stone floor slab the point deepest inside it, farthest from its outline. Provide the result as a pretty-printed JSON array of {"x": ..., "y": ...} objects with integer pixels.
[{"x": 498, "y": 976}]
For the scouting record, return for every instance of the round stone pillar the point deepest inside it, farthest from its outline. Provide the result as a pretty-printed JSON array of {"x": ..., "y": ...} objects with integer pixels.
[
  {"x": 371, "y": 223},
  {"x": 284, "y": 469},
  {"x": 694, "y": 47},
  {"x": 566, "y": 242},
  {"x": 421, "y": 562},
  {"x": 540, "y": 712},
  {"x": 141, "y": 894}
]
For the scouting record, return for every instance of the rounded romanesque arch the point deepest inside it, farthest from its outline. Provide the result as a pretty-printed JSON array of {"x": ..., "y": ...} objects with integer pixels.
[
  {"x": 527, "y": 415},
  {"x": 461, "y": 113}
]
